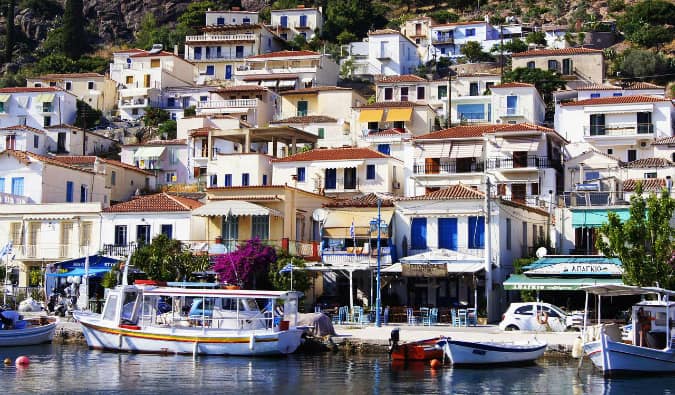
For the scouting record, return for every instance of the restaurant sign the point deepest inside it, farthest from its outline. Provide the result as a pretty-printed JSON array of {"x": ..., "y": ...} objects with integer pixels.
[
  {"x": 578, "y": 269},
  {"x": 424, "y": 270}
]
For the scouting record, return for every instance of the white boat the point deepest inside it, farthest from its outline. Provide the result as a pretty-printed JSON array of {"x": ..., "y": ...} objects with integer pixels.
[
  {"x": 22, "y": 332},
  {"x": 649, "y": 352},
  {"x": 491, "y": 353},
  {"x": 152, "y": 319}
]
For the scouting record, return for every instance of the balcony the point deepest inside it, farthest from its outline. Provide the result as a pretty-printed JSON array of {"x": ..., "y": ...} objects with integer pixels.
[
  {"x": 538, "y": 162},
  {"x": 383, "y": 56},
  {"x": 215, "y": 58},
  {"x": 220, "y": 38},
  {"x": 118, "y": 251},
  {"x": 233, "y": 103},
  {"x": 443, "y": 39},
  {"x": 49, "y": 251},
  {"x": 331, "y": 257},
  {"x": 473, "y": 117},
  {"x": 477, "y": 252},
  {"x": 619, "y": 130},
  {"x": 593, "y": 199},
  {"x": 340, "y": 186},
  {"x": 299, "y": 26},
  {"x": 451, "y": 167},
  {"x": 511, "y": 112},
  {"x": 8, "y": 198},
  {"x": 133, "y": 103}
]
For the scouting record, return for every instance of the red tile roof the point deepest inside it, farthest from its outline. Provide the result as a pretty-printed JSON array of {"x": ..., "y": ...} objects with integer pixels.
[
  {"x": 597, "y": 87},
  {"x": 650, "y": 162},
  {"x": 648, "y": 184},
  {"x": 89, "y": 160},
  {"x": 28, "y": 89},
  {"x": 616, "y": 100},
  {"x": 400, "y": 78},
  {"x": 241, "y": 88},
  {"x": 472, "y": 131},
  {"x": 285, "y": 54},
  {"x": 388, "y": 104},
  {"x": 160, "y": 202},
  {"x": 665, "y": 141},
  {"x": 369, "y": 200},
  {"x": 314, "y": 89},
  {"x": 383, "y": 31},
  {"x": 513, "y": 85},
  {"x": 161, "y": 142},
  {"x": 147, "y": 54},
  {"x": 348, "y": 153},
  {"x": 66, "y": 76},
  {"x": 26, "y": 157},
  {"x": 643, "y": 85},
  {"x": 554, "y": 52},
  {"x": 201, "y": 132},
  {"x": 23, "y": 127},
  {"x": 458, "y": 191},
  {"x": 307, "y": 119},
  {"x": 388, "y": 132},
  {"x": 459, "y": 23}
]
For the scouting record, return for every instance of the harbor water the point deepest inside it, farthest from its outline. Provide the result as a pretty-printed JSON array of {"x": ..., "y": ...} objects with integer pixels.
[{"x": 76, "y": 369}]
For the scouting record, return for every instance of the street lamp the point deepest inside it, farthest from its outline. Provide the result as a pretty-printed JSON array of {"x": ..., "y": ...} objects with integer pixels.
[{"x": 376, "y": 224}]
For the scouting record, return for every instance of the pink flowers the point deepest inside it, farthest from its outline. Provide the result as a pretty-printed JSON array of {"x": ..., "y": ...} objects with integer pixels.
[{"x": 240, "y": 267}]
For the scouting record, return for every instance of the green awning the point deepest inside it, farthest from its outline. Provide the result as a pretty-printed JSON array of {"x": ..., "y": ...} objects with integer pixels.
[
  {"x": 45, "y": 98},
  {"x": 4, "y": 98},
  {"x": 519, "y": 282},
  {"x": 596, "y": 217},
  {"x": 149, "y": 152}
]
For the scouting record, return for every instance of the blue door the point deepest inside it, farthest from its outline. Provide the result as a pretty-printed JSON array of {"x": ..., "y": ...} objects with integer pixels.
[
  {"x": 418, "y": 234},
  {"x": 447, "y": 233},
  {"x": 303, "y": 20},
  {"x": 17, "y": 186},
  {"x": 228, "y": 72},
  {"x": 477, "y": 232},
  {"x": 331, "y": 178},
  {"x": 284, "y": 21},
  {"x": 198, "y": 53}
]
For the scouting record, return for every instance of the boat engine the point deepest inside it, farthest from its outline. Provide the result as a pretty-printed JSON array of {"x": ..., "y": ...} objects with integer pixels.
[{"x": 393, "y": 340}]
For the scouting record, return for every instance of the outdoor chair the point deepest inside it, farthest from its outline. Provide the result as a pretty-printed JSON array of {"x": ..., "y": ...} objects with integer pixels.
[
  {"x": 412, "y": 320},
  {"x": 385, "y": 319},
  {"x": 471, "y": 317},
  {"x": 462, "y": 317},
  {"x": 455, "y": 317},
  {"x": 424, "y": 313},
  {"x": 341, "y": 316}
]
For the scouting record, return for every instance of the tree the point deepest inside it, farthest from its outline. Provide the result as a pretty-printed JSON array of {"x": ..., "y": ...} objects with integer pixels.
[
  {"x": 166, "y": 259},
  {"x": 641, "y": 63},
  {"x": 242, "y": 266},
  {"x": 55, "y": 63},
  {"x": 190, "y": 112},
  {"x": 444, "y": 16},
  {"x": 473, "y": 52},
  {"x": 645, "y": 243},
  {"x": 649, "y": 23},
  {"x": 514, "y": 46},
  {"x": 74, "y": 35},
  {"x": 9, "y": 31},
  {"x": 536, "y": 38},
  {"x": 355, "y": 16},
  {"x": 155, "y": 116},
  {"x": 168, "y": 129},
  {"x": 282, "y": 281},
  {"x": 87, "y": 117},
  {"x": 150, "y": 33},
  {"x": 546, "y": 81}
]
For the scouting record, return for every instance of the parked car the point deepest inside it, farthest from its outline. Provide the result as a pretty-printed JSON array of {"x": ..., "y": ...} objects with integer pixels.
[{"x": 537, "y": 316}]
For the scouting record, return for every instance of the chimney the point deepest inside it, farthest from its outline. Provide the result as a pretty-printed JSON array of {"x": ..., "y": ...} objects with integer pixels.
[{"x": 236, "y": 8}]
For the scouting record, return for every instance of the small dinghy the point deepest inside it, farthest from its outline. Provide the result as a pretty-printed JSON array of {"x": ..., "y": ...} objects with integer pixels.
[
  {"x": 419, "y": 350},
  {"x": 15, "y": 331},
  {"x": 491, "y": 353}
]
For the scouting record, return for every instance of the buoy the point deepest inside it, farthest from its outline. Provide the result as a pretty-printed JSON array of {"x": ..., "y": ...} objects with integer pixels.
[
  {"x": 22, "y": 361},
  {"x": 8, "y": 361},
  {"x": 578, "y": 348},
  {"x": 435, "y": 364}
]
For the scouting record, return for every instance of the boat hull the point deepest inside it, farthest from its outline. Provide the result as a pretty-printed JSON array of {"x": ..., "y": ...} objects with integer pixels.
[
  {"x": 472, "y": 353},
  {"x": 619, "y": 358},
  {"x": 28, "y": 336},
  {"x": 205, "y": 341},
  {"x": 423, "y": 350}
]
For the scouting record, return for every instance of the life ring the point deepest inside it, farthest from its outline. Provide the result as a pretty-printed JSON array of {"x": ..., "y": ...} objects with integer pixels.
[{"x": 545, "y": 320}]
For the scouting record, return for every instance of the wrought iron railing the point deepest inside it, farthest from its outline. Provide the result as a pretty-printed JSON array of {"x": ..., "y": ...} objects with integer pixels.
[
  {"x": 449, "y": 167},
  {"x": 540, "y": 162}
]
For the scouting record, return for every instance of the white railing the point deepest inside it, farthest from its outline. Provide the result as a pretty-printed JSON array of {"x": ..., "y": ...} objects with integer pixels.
[
  {"x": 133, "y": 103},
  {"x": 619, "y": 129},
  {"x": 345, "y": 258},
  {"x": 49, "y": 251},
  {"x": 221, "y": 37},
  {"x": 8, "y": 198},
  {"x": 233, "y": 103}
]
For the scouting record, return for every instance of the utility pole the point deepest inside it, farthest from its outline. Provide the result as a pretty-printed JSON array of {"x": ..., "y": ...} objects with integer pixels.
[
  {"x": 449, "y": 114},
  {"x": 501, "y": 50},
  {"x": 488, "y": 248},
  {"x": 378, "y": 301}
]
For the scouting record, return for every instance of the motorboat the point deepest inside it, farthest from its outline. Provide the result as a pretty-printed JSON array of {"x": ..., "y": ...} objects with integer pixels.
[
  {"x": 491, "y": 353},
  {"x": 420, "y": 350},
  {"x": 647, "y": 348},
  {"x": 16, "y": 331},
  {"x": 160, "y": 319}
]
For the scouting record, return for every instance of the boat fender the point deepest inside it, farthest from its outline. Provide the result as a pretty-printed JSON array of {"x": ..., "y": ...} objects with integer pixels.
[
  {"x": 251, "y": 343},
  {"x": 22, "y": 361},
  {"x": 8, "y": 361},
  {"x": 542, "y": 318},
  {"x": 578, "y": 348}
]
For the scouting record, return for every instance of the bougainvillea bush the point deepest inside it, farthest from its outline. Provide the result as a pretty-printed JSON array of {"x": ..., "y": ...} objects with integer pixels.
[{"x": 242, "y": 266}]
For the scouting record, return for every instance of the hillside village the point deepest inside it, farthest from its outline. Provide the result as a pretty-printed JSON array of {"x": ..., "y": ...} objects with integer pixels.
[{"x": 235, "y": 137}]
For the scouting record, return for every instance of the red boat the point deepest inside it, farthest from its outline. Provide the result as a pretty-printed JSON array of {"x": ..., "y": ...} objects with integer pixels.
[{"x": 420, "y": 350}]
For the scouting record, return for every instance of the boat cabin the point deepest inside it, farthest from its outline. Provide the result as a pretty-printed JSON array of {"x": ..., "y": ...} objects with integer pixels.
[{"x": 649, "y": 319}]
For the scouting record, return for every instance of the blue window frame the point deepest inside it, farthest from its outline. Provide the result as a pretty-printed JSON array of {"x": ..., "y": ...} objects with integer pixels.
[
  {"x": 370, "y": 172},
  {"x": 228, "y": 72},
  {"x": 471, "y": 111},
  {"x": 2, "y": 184},
  {"x": 210, "y": 70},
  {"x": 447, "y": 233},
  {"x": 83, "y": 193},
  {"x": 69, "y": 191},
  {"x": 245, "y": 178},
  {"x": 595, "y": 95},
  {"x": 264, "y": 179},
  {"x": 331, "y": 179},
  {"x": 227, "y": 180},
  {"x": 384, "y": 149},
  {"x": 617, "y": 94},
  {"x": 214, "y": 180},
  {"x": 198, "y": 52},
  {"x": 17, "y": 186},
  {"x": 477, "y": 232},
  {"x": 220, "y": 21},
  {"x": 167, "y": 230},
  {"x": 470, "y": 32},
  {"x": 418, "y": 234},
  {"x": 283, "y": 21},
  {"x": 303, "y": 20},
  {"x": 300, "y": 172}
]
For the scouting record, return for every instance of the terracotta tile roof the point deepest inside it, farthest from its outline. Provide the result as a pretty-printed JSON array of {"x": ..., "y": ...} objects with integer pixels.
[
  {"x": 388, "y": 104},
  {"x": 643, "y": 85},
  {"x": 650, "y": 162},
  {"x": 26, "y": 157},
  {"x": 383, "y": 31},
  {"x": 597, "y": 87},
  {"x": 388, "y": 132},
  {"x": 147, "y": 54},
  {"x": 160, "y": 202},
  {"x": 285, "y": 54},
  {"x": 314, "y": 89},
  {"x": 459, "y": 132},
  {"x": 648, "y": 184},
  {"x": 241, "y": 88},
  {"x": 64, "y": 126},
  {"x": 459, "y": 23},
  {"x": 458, "y": 191},
  {"x": 400, "y": 78},
  {"x": 348, "y": 153},
  {"x": 161, "y": 142},
  {"x": 554, "y": 52},
  {"x": 369, "y": 200},
  {"x": 89, "y": 160},
  {"x": 28, "y": 89},
  {"x": 23, "y": 127},
  {"x": 616, "y": 100},
  {"x": 307, "y": 119},
  {"x": 664, "y": 141},
  {"x": 619, "y": 161},
  {"x": 513, "y": 85},
  {"x": 66, "y": 76},
  {"x": 201, "y": 132}
]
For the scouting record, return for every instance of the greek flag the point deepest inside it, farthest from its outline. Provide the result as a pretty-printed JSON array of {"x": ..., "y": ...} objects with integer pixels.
[
  {"x": 286, "y": 269},
  {"x": 351, "y": 230},
  {"x": 6, "y": 250}
]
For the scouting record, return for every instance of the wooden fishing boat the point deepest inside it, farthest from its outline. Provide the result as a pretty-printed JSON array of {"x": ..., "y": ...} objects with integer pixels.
[
  {"x": 15, "y": 331},
  {"x": 491, "y": 353},
  {"x": 420, "y": 350}
]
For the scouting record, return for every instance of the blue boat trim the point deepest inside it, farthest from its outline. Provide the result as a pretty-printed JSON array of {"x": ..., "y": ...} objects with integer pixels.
[{"x": 489, "y": 347}]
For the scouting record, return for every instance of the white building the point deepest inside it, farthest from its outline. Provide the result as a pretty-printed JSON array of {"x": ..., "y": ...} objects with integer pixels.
[
  {"x": 24, "y": 138},
  {"x": 97, "y": 90},
  {"x": 291, "y": 22},
  {"x": 448, "y": 39},
  {"x": 36, "y": 107},
  {"x": 166, "y": 159},
  {"x": 384, "y": 52},
  {"x": 517, "y": 102},
  {"x": 69, "y": 139}
]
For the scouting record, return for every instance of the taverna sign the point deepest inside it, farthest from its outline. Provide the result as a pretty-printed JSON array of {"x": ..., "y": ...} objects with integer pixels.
[{"x": 578, "y": 269}]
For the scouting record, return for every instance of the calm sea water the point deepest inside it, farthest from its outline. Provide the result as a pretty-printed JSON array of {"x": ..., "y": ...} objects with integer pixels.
[{"x": 76, "y": 369}]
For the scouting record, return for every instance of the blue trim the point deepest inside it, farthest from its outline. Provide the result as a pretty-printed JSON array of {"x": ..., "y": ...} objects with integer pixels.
[{"x": 488, "y": 347}]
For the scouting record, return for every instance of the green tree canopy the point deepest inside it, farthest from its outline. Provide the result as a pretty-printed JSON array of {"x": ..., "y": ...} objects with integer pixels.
[
  {"x": 74, "y": 35},
  {"x": 87, "y": 117},
  {"x": 282, "y": 281},
  {"x": 168, "y": 260},
  {"x": 169, "y": 129},
  {"x": 645, "y": 242},
  {"x": 546, "y": 81},
  {"x": 641, "y": 62},
  {"x": 649, "y": 23},
  {"x": 155, "y": 116},
  {"x": 473, "y": 52},
  {"x": 536, "y": 38},
  {"x": 355, "y": 16},
  {"x": 514, "y": 46}
]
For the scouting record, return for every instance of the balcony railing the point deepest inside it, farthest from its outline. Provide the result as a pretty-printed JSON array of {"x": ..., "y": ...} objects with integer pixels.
[
  {"x": 221, "y": 37},
  {"x": 449, "y": 168},
  {"x": 618, "y": 129},
  {"x": 341, "y": 187},
  {"x": 8, "y": 198},
  {"x": 233, "y": 103},
  {"x": 331, "y": 257},
  {"x": 212, "y": 57},
  {"x": 471, "y": 117},
  {"x": 477, "y": 252},
  {"x": 589, "y": 199},
  {"x": 49, "y": 251},
  {"x": 133, "y": 103},
  {"x": 443, "y": 39},
  {"x": 121, "y": 250},
  {"x": 538, "y": 162}
]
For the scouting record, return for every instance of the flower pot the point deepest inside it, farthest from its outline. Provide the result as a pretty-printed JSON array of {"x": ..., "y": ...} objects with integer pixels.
[
  {"x": 232, "y": 287},
  {"x": 482, "y": 320}
]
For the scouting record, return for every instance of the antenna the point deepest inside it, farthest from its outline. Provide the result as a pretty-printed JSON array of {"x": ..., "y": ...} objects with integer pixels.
[{"x": 319, "y": 215}]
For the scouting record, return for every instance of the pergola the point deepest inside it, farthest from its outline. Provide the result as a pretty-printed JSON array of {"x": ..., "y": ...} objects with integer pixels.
[{"x": 287, "y": 135}]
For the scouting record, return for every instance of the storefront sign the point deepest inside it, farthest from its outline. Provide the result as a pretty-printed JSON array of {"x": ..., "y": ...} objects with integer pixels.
[
  {"x": 578, "y": 269},
  {"x": 424, "y": 270}
]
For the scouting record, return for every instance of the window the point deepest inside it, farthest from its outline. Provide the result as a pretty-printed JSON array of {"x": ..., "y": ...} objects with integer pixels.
[
  {"x": 595, "y": 95},
  {"x": 553, "y": 65},
  {"x": 471, "y": 111},
  {"x": 2, "y": 184},
  {"x": 264, "y": 179},
  {"x": 644, "y": 122},
  {"x": 155, "y": 63},
  {"x": 591, "y": 175},
  {"x": 300, "y": 171},
  {"x": 47, "y": 121},
  {"x": 230, "y": 228},
  {"x": 46, "y": 107},
  {"x": 420, "y": 93},
  {"x": 370, "y": 172},
  {"x": 220, "y": 21},
  {"x": 227, "y": 180},
  {"x": 473, "y": 89},
  {"x": 52, "y": 83},
  {"x": 214, "y": 180},
  {"x": 85, "y": 233},
  {"x": 330, "y": 179},
  {"x": 120, "y": 235},
  {"x": 90, "y": 85},
  {"x": 447, "y": 233},
  {"x": 260, "y": 227},
  {"x": 203, "y": 98},
  {"x": 69, "y": 85},
  {"x": 84, "y": 193},
  {"x": 171, "y": 102},
  {"x": 349, "y": 178},
  {"x": 567, "y": 66},
  {"x": 143, "y": 234},
  {"x": 489, "y": 85},
  {"x": 167, "y": 230},
  {"x": 597, "y": 122},
  {"x": 322, "y": 133},
  {"x": 404, "y": 93},
  {"x": 399, "y": 125},
  {"x": 388, "y": 93},
  {"x": 37, "y": 85},
  {"x": 303, "y": 20},
  {"x": 283, "y": 21},
  {"x": 210, "y": 69},
  {"x": 511, "y": 105},
  {"x": 535, "y": 188},
  {"x": 130, "y": 79},
  {"x": 17, "y": 186},
  {"x": 228, "y": 72},
  {"x": 244, "y": 179},
  {"x": 530, "y": 65},
  {"x": 476, "y": 232},
  {"x": 632, "y": 155},
  {"x": 36, "y": 141},
  {"x": 173, "y": 156},
  {"x": 170, "y": 177},
  {"x": 246, "y": 21},
  {"x": 69, "y": 191},
  {"x": 418, "y": 234},
  {"x": 302, "y": 108},
  {"x": 508, "y": 234},
  {"x": 373, "y": 125},
  {"x": 384, "y": 149},
  {"x": 524, "y": 310},
  {"x": 470, "y": 32},
  {"x": 113, "y": 177},
  {"x": 2, "y": 106},
  {"x": 610, "y": 151},
  {"x": 617, "y": 94},
  {"x": 442, "y": 91}
]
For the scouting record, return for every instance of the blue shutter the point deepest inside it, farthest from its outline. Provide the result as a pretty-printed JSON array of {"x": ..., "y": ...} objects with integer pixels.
[
  {"x": 384, "y": 149},
  {"x": 447, "y": 233},
  {"x": 83, "y": 193},
  {"x": 244, "y": 179},
  {"x": 418, "y": 234},
  {"x": 2, "y": 185},
  {"x": 264, "y": 179},
  {"x": 228, "y": 180},
  {"x": 69, "y": 191},
  {"x": 17, "y": 186},
  {"x": 477, "y": 232},
  {"x": 228, "y": 72},
  {"x": 301, "y": 174},
  {"x": 331, "y": 179},
  {"x": 370, "y": 172}
]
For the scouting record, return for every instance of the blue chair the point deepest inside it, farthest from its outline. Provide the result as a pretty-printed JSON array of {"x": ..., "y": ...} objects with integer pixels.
[
  {"x": 317, "y": 309},
  {"x": 412, "y": 320},
  {"x": 341, "y": 316},
  {"x": 455, "y": 317},
  {"x": 385, "y": 320},
  {"x": 433, "y": 316},
  {"x": 472, "y": 318},
  {"x": 462, "y": 317}
]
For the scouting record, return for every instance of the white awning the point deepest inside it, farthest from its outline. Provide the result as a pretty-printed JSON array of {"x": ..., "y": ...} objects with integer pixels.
[
  {"x": 337, "y": 164},
  {"x": 45, "y": 98},
  {"x": 452, "y": 268},
  {"x": 467, "y": 150},
  {"x": 4, "y": 98},
  {"x": 519, "y": 145},
  {"x": 47, "y": 217},
  {"x": 287, "y": 83},
  {"x": 306, "y": 80},
  {"x": 223, "y": 208},
  {"x": 149, "y": 152},
  {"x": 269, "y": 83}
]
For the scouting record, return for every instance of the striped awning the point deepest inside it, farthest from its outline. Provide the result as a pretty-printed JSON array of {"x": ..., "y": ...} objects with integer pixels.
[
  {"x": 149, "y": 152},
  {"x": 45, "y": 98},
  {"x": 4, "y": 98},
  {"x": 399, "y": 114},
  {"x": 469, "y": 150},
  {"x": 371, "y": 115},
  {"x": 223, "y": 208},
  {"x": 338, "y": 223}
]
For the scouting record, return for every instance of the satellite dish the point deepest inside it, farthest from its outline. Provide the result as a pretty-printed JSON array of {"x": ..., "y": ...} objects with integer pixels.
[
  {"x": 541, "y": 252},
  {"x": 319, "y": 215}
]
